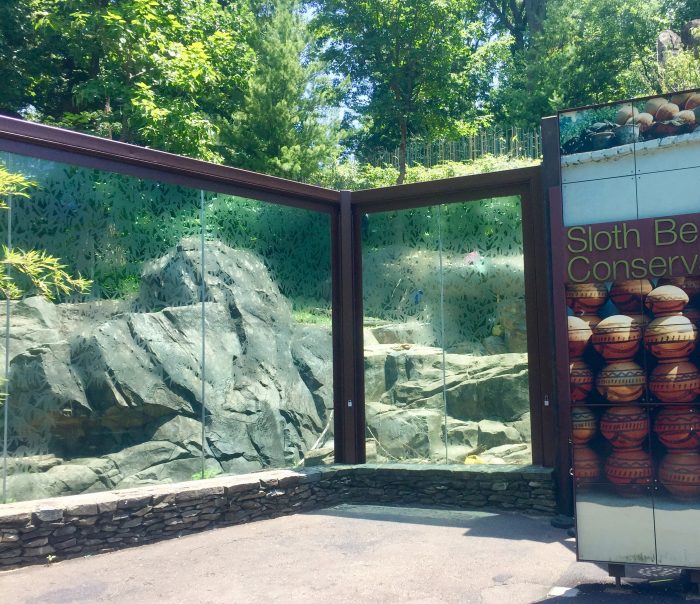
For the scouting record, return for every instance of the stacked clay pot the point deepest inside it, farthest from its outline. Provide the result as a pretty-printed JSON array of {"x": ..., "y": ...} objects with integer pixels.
[
  {"x": 622, "y": 381},
  {"x": 661, "y": 320},
  {"x": 584, "y": 424},
  {"x": 671, "y": 338},
  {"x": 625, "y": 425}
]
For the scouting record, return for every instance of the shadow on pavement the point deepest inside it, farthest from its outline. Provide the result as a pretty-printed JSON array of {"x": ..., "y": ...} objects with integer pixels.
[{"x": 477, "y": 523}]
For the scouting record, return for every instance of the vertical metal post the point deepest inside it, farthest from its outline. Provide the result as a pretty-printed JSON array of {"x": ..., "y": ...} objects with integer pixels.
[
  {"x": 560, "y": 403},
  {"x": 347, "y": 327}
]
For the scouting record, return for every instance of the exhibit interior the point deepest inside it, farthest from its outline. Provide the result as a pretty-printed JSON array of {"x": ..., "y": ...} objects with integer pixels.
[{"x": 523, "y": 339}]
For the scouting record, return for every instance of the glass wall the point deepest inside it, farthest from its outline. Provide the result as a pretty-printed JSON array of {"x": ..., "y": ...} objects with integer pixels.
[
  {"x": 445, "y": 339},
  {"x": 201, "y": 345}
]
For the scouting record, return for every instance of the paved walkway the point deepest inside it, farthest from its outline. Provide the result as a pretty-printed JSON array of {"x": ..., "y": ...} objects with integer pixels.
[{"x": 348, "y": 554}]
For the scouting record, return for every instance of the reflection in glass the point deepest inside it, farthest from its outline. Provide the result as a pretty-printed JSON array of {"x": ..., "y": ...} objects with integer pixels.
[
  {"x": 268, "y": 335},
  {"x": 116, "y": 387},
  {"x": 445, "y": 337}
]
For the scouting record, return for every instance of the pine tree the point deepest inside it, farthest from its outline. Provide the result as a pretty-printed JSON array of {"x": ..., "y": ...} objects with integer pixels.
[{"x": 285, "y": 127}]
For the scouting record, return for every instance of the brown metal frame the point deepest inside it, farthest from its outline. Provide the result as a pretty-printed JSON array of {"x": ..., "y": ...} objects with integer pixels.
[
  {"x": 526, "y": 184},
  {"x": 345, "y": 209},
  {"x": 551, "y": 184}
]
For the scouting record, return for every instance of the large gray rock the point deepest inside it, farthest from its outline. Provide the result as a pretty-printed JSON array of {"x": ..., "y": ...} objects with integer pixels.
[
  {"x": 126, "y": 386},
  {"x": 474, "y": 387},
  {"x": 406, "y": 434}
]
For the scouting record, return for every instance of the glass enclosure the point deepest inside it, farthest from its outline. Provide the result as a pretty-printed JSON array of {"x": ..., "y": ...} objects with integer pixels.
[
  {"x": 202, "y": 345},
  {"x": 446, "y": 374}
]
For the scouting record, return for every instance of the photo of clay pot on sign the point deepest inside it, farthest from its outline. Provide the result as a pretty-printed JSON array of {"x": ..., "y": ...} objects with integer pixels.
[
  {"x": 635, "y": 387},
  {"x": 628, "y": 123}
]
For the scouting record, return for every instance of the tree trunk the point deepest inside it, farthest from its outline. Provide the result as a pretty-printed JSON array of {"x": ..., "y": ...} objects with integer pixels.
[{"x": 402, "y": 151}]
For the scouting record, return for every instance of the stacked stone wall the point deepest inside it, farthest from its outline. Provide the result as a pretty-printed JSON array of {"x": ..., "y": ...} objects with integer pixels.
[{"x": 55, "y": 529}]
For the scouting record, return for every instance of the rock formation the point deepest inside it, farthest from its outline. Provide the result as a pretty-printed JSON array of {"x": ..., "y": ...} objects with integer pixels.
[{"x": 110, "y": 394}]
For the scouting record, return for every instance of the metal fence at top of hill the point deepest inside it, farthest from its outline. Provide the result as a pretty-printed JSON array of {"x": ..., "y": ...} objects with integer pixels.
[{"x": 513, "y": 142}]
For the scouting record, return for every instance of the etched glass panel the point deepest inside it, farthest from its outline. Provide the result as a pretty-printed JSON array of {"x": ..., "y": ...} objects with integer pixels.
[
  {"x": 445, "y": 338},
  {"x": 404, "y": 377},
  {"x": 486, "y": 371},
  {"x": 104, "y": 387},
  {"x": 268, "y": 360}
]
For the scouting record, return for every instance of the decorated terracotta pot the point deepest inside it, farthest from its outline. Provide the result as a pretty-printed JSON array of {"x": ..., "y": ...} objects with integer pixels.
[
  {"x": 670, "y": 337},
  {"x": 625, "y": 427},
  {"x": 586, "y": 298},
  {"x": 579, "y": 335},
  {"x": 580, "y": 380},
  {"x": 679, "y": 472},
  {"x": 666, "y": 300},
  {"x": 621, "y": 381},
  {"x": 617, "y": 338},
  {"x": 586, "y": 465},
  {"x": 583, "y": 424},
  {"x": 678, "y": 427},
  {"x": 676, "y": 381},
  {"x": 690, "y": 285},
  {"x": 629, "y": 470},
  {"x": 629, "y": 296}
]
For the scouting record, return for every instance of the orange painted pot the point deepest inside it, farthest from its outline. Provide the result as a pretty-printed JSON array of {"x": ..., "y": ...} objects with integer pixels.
[
  {"x": 670, "y": 337},
  {"x": 678, "y": 427},
  {"x": 583, "y": 425},
  {"x": 586, "y": 298},
  {"x": 679, "y": 472},
  {"x": 629, "y": 470},
  {"x": 579, "y": 336},
  {"x": 666, "y": 300},
  {"x": 675, "y": 381},
  {"x": 617, "y": 338},
  {"x": 621, "y": 382},
  {"x": 586, "y": 463},
  {"x": 629, "y": 296},
  {"x": 580, "y": 380},
  {"x": 625, "y": 427}
]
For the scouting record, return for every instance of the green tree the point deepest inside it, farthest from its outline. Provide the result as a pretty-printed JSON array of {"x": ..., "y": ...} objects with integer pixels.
[
  {"x": 417, "y": 68},
  {"x": 285, "y": 126},
  {"x": 589, "y": 51},
  {"x": 520, "y": 18},
  {"x": 167, "y": 73},
  {"x": 34, "y": 269}
]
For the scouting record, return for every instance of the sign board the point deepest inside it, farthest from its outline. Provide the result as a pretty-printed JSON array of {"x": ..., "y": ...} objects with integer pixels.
[{"x": 627, "y": 240}]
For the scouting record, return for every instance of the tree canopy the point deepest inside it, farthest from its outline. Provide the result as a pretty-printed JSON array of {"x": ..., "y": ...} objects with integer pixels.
[{"x": 261, "y": 84}]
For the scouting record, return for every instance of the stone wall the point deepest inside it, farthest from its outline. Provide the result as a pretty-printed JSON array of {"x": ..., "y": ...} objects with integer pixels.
[{"x": 36, "y": 532}]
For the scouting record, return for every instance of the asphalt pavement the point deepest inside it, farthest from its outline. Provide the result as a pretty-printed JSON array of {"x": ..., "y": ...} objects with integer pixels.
[{"x": 349, "y": 554}]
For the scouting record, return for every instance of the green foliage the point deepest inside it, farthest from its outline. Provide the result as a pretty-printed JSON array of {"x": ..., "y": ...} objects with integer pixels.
[
  {"x": 283, "y": 126},
  {"x": 417, "y": 68},
  {"x": 355, "y": 176},
  {"x": 23, "y": 271},
  {"x": 205, "y": 474},
  {"x": 167, "y": 74},
  {"x": 589, "y": 51},
  {"x": 681, "y": 71}
]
